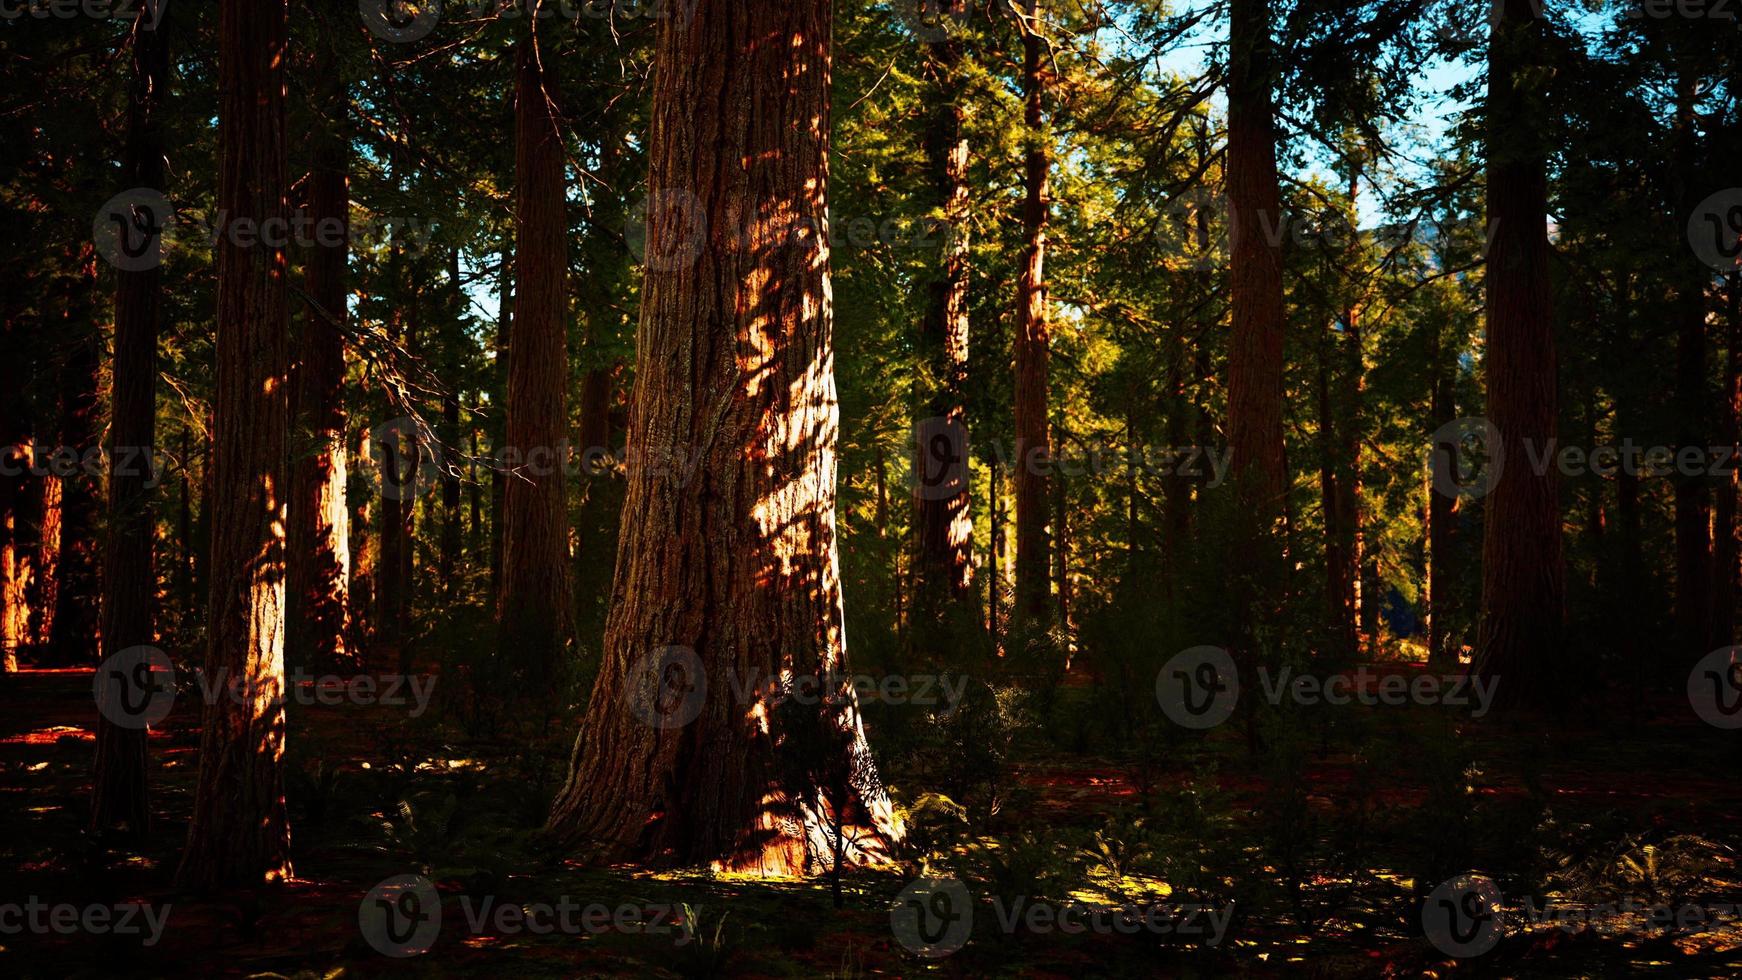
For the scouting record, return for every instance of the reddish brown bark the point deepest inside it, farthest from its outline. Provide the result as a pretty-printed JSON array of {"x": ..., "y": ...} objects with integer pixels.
[
  {"x": 319, "y": 556},
  {"x": 240, "y": 835},
  {"x": 1693, "y": 491},
  {"x": 734, "y": 377},
  {"x": 1255, "y": 225},
  {"x": 943, "y": 565},
  {"x": 1033, "y": 565},
  {"x": 533, "y": 615},
  {"x": 1523, "y": 590},
  {"x": 119, "y": 792}
]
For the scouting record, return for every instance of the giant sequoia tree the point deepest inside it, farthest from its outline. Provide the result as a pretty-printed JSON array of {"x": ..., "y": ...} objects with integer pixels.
[
  {"x": 239, "y": 833},
  {"x": 1522, "y": 575},
  {"x": 728, "y": 579}
]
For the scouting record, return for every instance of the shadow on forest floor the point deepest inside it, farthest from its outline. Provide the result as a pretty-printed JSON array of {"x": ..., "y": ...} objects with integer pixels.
[{"x": 1320, "y": 866}]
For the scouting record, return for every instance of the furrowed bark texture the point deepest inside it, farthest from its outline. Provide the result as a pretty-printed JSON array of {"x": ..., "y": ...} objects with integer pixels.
[
  {"x": 1522, "y": 574},
  {"x": 240, "y": 835},
  {"x": 119, "y": 792},
  {"x": 533, "y": 615},
  {"x": 1033, "y": 564},
  {"x": 730, "y": 549},
  {"x": 1255, "y": 226},
  {"x": 319, "y": 558},
  {"x": 943, "y": 569}
]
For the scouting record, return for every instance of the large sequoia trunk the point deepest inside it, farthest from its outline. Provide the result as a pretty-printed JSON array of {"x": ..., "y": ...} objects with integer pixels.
[
  {"x": 728, "y": 578},
  {"x": 1255, "y": 224},
  {"x": 943, "y": 567},
  {"x": 1522, "y": 575},
  {"x": 240, "y": 835},
  {"x": 319, "y": 558},
  {"x": 1693, "y": 491},
  {"x": 533, "y": 614},
  {"x": 1033, "y": 566},
  {"x": 119, "y": 791}
]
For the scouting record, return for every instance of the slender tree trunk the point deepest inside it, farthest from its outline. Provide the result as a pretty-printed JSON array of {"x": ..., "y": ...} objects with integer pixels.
[
  {"x": 1033, "y": 592},
  {"x": 1440, "y": 506},
  {"x": 240, "y": 835},
  {"x": 1522, "y": 574},
  {"x": 499, "y": 410},
  {"x": 533, "y": 606},
  {"x": 944, "y": 564},
  {"x": 319, "y": 555},
  {"x": 44, "y": 516},
  {"x": 448, "y": 558},
  {"x": 73, "y": 633},
  {"x": 119, "y": 793},
  {"x": 14, "y": 486},
  {"x": 398, "y": 482},
  {"x": 1693, "y": 496},
  {"x": 732, "y": 578},
  {"x": 1339, "y": 568},
  {"x": 1255, "y": 226}
]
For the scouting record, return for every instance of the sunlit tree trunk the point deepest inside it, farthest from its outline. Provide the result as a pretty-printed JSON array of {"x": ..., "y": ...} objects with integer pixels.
[
  {"x": 1033, "y": 567},
  {"x": 735, "y": 375},
  {"x": 448, "y": 453},
  {"x": 319, "y": 556},
  {"x": 239, "y": 834},
  {"x": 533, "y": 614},
  {"x": 499, "y": 410},
  {"x": 1522, "y": 575},
  {"x": 943, "y": 565},
  {"x": 119, "y": 788}
]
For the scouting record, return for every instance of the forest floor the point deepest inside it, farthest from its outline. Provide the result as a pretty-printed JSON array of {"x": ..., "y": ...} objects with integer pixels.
[{"x": 1321, "y": 872}]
